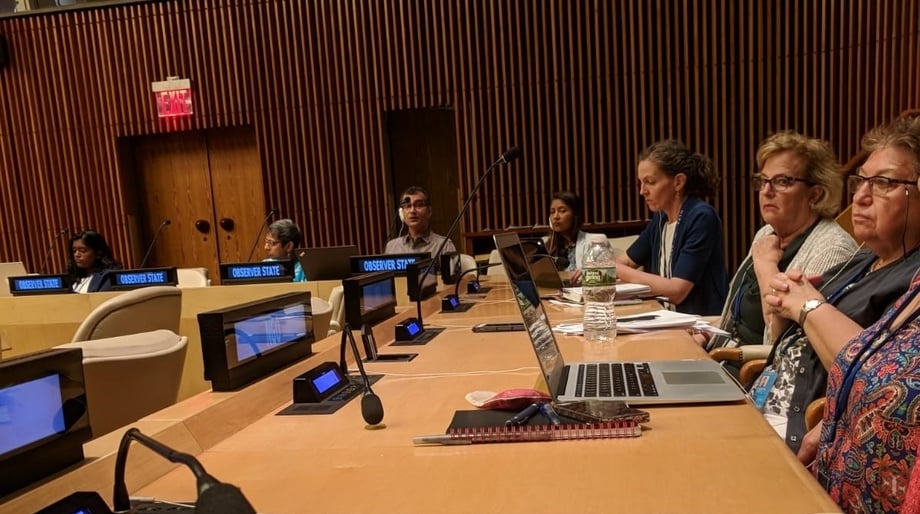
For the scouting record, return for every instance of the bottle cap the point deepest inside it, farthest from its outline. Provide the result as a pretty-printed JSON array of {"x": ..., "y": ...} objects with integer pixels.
[{"x": 597, "y": 238}]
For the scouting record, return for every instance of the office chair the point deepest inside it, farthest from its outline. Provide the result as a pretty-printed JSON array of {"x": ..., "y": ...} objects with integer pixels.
[
  {"x": 9, "y": 269},
  {"x": 130, "y": 376},
  {"x": 337, "y": 316},
  {"x": 193, "y": 277},
  {"x": 140, "y": 310},
  {"x": 322, "y": 316}
]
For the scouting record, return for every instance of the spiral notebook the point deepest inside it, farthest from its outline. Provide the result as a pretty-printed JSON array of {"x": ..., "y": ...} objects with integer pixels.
[{"x": 488, "y": 426}]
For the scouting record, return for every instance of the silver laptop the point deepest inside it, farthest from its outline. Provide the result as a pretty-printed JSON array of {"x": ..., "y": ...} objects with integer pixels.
[
  {"x": 682, "y": 381},
  {"x": 326, "y": 263}
]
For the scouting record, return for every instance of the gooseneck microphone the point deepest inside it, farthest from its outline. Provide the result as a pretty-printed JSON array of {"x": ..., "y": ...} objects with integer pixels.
[
  {"x": 54, "y": 242},
  {"x": 213, "y": 496},
  {"x": 273, "y": 212},
  {"x": 371, "y": 406},
  {"x": 505, "y": 158},
  {"x": 154, "y": 242}
]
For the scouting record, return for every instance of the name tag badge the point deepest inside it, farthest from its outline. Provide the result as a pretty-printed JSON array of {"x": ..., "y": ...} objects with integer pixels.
[{"x": 762, "y": 386}]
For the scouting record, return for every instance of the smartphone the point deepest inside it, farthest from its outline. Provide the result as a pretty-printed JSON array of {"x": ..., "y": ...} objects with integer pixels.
[{"x": 599, "y": 411}]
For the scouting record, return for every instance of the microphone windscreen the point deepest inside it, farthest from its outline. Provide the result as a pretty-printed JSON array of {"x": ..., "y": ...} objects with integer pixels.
[
  {"x": 222, "y": 498},
  {"x": 512, "y": 154},
  {"x": 371, "y": 409}
]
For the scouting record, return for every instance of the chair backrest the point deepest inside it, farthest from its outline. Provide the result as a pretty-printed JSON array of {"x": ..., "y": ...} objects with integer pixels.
[
  {"x": 193, "y": 277},
  {"x": 9, "y": 269},
  {"x": 467, "y": 262},
  {"x": 322, "y": 314},
  {"x": 337, "y": 301},
  {"x": 498, "y": 271},
  {"x": 140, "y": 310},
  {"x": 621, "y": 244},
  {"x": 130, "y": 376},
  {"x": 845, "y": 220}
]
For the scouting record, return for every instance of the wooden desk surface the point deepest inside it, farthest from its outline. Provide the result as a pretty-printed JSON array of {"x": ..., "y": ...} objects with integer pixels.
[{"x": 689, "y": 458}]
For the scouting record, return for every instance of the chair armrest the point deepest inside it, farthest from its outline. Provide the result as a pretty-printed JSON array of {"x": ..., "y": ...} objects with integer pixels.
[
  {"x": 751, "y": 370},
  {"x": 726, "y": 354},
  {"x": 814, "y": 412},
  {"x": 741, "y": 353}
]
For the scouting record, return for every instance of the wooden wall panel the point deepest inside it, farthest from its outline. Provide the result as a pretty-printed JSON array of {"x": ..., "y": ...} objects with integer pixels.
[{"x": 581, "y": 85}]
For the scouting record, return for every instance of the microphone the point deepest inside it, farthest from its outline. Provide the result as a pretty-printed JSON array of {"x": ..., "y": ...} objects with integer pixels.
[
  {"x": 54, "y": 241},
  {"x": 478, "y": 270},
  {"x": 506, "y": 157},
  {"x": 371, "y": 406},
  {"x": 155, "y": 237},
  {"x": 273, "y": 212},
  {"x": 213, "y": 496}
]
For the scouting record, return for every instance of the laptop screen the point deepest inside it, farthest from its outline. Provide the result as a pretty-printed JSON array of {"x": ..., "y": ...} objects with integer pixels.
[{"x": 528, "y": 300}]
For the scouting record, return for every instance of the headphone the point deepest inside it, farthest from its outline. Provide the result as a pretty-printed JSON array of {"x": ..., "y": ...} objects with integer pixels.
[{"x": 402, "y": 215}]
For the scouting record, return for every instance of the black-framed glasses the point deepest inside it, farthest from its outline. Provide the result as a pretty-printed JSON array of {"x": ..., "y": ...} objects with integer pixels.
[
  {"x": 778, "y": 183},
  {"x": 878, "y": 185}
]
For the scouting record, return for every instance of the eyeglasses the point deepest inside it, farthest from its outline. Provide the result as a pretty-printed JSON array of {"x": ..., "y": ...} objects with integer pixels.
[
  {"x": 878, "y": 185},
  {"x": 419, "y": 205},
  {"x": 778, "y": 183},
  {"x": 270, "y": 243}
]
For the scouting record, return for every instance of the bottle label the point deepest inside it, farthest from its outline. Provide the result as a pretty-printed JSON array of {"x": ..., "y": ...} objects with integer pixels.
[{"x": 598, "y": 277}]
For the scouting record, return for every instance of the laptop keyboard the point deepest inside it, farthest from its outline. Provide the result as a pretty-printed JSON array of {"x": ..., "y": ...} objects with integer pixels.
[{"x": 614, "y": 379}]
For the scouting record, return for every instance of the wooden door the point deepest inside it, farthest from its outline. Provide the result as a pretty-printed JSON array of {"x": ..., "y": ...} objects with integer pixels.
[
  {"x": 236, "y": 183},
  {"x": 209, "y": 185}
]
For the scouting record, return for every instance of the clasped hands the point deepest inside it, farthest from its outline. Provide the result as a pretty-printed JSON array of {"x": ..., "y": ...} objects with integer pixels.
[{"x": 788, "y": 293}]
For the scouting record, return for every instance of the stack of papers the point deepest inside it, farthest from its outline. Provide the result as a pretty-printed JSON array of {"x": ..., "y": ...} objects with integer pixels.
[
  {"x": 624, "y": 290},
  {"x": 641, "y": 323}
]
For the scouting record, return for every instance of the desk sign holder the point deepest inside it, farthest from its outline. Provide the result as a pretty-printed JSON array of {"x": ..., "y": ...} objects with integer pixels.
[
  {"x": 324, "y": 390},
  {"x": 409, "y": 332}
]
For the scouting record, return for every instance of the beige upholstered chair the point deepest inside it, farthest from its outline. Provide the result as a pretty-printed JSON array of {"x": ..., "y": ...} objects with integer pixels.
[
  {"x": 193, "y": 277},
  {"x": 467, "y": 262},
  {"x": 498, "y": 269},
  {"x": 322, "y": 315},
  {"x": 9, "y": 269},
  {"x": 140, "y": 310},
  {"x": 130, "y": 376},
  {"x": 337, "y": 317},
  {"x": 621, "y": 244}
]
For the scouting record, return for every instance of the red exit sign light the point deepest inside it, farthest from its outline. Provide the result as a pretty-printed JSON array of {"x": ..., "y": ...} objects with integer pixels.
[{"x": 173, "y": 97}]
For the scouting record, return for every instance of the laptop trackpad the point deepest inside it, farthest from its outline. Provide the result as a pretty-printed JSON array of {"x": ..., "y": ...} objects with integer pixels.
[{"x": 692, "y": 377}]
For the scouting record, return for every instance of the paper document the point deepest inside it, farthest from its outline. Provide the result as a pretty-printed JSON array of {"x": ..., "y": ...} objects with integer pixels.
[
  {"x": 624, "y": 290},
  {"x": 641, "y": 323}
]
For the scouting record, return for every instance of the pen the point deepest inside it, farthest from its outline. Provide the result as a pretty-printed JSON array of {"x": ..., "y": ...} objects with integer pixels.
[
  {"x": 547, "y": 410},
  {"x": 647, "y": 317},
  {"x": 521, "y": 417},
  {"x": 440, "y": 439}
]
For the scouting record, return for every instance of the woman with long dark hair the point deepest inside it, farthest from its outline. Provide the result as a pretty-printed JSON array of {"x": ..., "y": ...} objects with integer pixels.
[{"x": 90, "y": 260}]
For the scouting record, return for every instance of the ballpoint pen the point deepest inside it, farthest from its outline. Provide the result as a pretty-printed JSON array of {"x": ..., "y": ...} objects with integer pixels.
[
  {"x": 646, "y": 317},
  {"x": 522, "y": 417},
  {"x": 547, "y": 410}
]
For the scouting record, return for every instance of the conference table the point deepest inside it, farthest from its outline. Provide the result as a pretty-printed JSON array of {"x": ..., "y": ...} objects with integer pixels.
[{"x": 689, "y": 458}]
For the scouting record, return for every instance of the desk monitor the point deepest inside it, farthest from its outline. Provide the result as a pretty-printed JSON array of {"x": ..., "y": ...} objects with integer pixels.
[
  {"x": 414, "y": 286},
  {"x": 369, "y": 298},
  {"x": 243, "y": 343},
  {"x": 263, "y": 272},
  {"x": 39, "y": 284},
  {"x": 43, "y": 416},
  {"x": 395, "y": 262},
  {"x": 326, "y": 263},
  {"x": 127, "y": 279}
]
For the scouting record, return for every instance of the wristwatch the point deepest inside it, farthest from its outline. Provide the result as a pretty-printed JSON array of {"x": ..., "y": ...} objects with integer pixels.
[{"x": 807, "y": 307}]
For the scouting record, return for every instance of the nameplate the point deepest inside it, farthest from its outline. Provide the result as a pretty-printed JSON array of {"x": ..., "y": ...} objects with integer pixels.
[
  {"x": 256, "y": 272},
  {"x": 134, "y": 278},
  {"x": 396, "y": 262},
  {"x": 39, "y": 284}
]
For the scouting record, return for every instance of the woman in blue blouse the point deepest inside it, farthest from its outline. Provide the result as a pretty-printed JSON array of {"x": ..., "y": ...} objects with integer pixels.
[
  {"x": 681, "y": 249},
  {"x": 282, "y": 238}
]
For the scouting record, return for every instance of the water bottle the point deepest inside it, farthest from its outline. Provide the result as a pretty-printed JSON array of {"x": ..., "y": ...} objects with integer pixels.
[{"x": 599, "y": 288}]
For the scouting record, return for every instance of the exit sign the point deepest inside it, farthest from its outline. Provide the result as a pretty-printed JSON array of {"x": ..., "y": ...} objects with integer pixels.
[{"x": 173, "y": 97}]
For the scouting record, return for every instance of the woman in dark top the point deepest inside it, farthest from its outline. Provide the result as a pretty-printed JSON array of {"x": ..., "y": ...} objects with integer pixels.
[
  {"x": 90, "y": 260},
  {"x": 681, "y": 249}
]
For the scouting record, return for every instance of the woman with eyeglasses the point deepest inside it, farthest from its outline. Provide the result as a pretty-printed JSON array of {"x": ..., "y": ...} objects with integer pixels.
[
  {"x": 681, "y": 249},
  {"x": 799, "y": 189},
  {"x": 282, "y": 238},
  {"x": 814, "y": 322},
  {"x": 89, "y": 263}
]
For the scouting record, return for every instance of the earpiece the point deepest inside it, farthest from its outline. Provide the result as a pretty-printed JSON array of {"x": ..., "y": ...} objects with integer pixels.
[
  {"x": 402, "y": 215},
  {"x": 907, "y": 192}
]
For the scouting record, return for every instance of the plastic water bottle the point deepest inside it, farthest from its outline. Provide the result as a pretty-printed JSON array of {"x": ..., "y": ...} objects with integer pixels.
[{"x": 599, "y": 289}]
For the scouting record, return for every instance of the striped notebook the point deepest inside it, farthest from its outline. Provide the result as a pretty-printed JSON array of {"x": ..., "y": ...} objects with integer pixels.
[{"x": 488, "y": 426}]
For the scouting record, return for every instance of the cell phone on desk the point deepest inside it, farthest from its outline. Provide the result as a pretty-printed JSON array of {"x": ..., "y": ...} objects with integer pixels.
[{"x": 600, "y": 411}]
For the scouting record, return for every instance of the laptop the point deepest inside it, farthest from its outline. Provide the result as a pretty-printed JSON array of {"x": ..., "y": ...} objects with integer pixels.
[
  {"x": 326, "y": 263},
  {"x": 653, "y": 382},
  {"x": 551, "y": 285}
]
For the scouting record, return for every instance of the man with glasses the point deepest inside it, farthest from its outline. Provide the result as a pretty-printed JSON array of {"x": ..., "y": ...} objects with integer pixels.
[{"x": 415, "y": 208}]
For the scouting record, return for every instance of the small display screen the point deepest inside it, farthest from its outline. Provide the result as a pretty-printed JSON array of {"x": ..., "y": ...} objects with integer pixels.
[
  {"x": 141, "y": 278},
  {"x": 30, "y": 411},
  {"x": 376, "y": 295},
  {"x": 38, "y": 283},
  {"x": 413, "y": 328},
  {"x": 260, "y": 334},
  {"x": 454, "y": 301},
  {"x": 326, "y": 381}
]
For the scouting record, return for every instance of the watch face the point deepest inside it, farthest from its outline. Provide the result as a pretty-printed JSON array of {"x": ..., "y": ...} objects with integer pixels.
[{"x": 812, "y": 304}]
